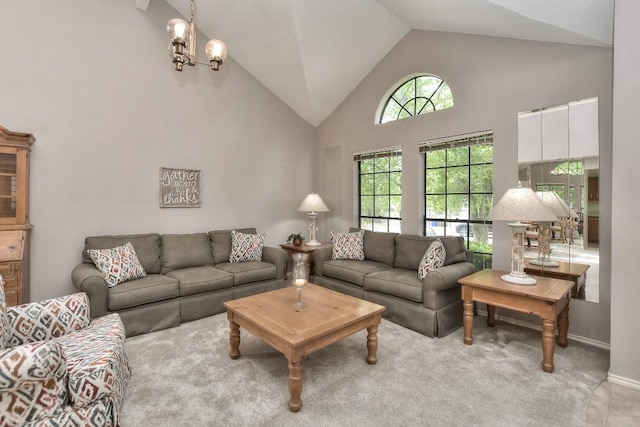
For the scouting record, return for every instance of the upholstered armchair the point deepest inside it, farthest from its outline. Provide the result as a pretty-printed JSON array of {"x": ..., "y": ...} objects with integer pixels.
[{"x": 57, "y": 367}]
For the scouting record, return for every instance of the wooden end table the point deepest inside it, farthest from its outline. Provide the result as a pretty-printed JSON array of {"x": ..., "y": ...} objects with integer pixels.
[
  {"x": 548, "y": 298},
  {"x": 291, "y": 249},
  {"x": 573, "y": 271},
  {"x": 328, "y": 318}
]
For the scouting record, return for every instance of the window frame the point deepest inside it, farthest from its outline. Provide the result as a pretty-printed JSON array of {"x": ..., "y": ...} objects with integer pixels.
[{"x": 377, "y": 220}]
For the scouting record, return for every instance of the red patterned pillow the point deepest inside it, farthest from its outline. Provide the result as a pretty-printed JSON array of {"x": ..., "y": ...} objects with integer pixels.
[
  {"x": 117, "y": 265},
  {"x": 348, "y": 245},
  {"x": 433, "y": 258},
  {"x": 246, "y": 247}
]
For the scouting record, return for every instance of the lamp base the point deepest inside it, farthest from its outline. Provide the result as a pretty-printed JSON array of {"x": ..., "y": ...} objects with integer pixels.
[
  {"x": 313, "y": 243},
  {"x": 544, "y": 262},
  {"x": 519, "y": 279}
]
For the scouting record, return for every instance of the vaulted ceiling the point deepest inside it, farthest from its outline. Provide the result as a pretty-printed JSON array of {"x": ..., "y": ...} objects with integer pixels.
[{"x": 313, "y": 53}]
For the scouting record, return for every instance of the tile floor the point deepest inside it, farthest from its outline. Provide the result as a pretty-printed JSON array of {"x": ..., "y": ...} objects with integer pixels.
[{"x": 614, "y": 405}]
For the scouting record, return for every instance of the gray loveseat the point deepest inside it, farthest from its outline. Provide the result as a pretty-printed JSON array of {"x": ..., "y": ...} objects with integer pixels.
[
  {"x": 389, "y": 276},
  {"x": 189, "y": 276}
]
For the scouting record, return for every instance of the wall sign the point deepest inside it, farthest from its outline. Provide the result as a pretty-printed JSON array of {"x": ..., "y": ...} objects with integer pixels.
[{"x": 179, "y": 188}]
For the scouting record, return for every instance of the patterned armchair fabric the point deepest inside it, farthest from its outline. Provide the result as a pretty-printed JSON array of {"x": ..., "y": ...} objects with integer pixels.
[{"x": 58, "y": 368}]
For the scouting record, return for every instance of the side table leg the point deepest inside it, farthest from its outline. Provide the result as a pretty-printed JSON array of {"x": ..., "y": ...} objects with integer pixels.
[
  {"x": 548, "y": 344},
  {"x": 491, "y": 315},
  {"x": 563, "y": 327},
  {"x": 372, "y": 344},
  {"x": 468, "y": 322},
  {"x": 295, "y": 386},
  {"x": 234, "y": 339}
]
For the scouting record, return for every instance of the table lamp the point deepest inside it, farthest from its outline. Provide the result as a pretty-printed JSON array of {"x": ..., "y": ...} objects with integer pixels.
[
  {"x": 312, "y": 204},
  {"x": 520, "y": 204},
  {"x": 560, "y": 209}
]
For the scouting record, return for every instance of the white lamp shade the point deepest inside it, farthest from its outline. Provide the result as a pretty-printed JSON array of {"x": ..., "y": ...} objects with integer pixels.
[
  {"x": 556, "y": 204},
  {"x": 313, "y": 203},
  {"x": 521, "y": 204}
]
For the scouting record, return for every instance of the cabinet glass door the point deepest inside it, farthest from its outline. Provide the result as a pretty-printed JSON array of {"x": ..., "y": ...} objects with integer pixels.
[{"x": 8, "y": 185}]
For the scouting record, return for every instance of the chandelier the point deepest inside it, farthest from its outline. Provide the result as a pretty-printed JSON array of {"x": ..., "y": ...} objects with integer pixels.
[{"x": 183, "y": 44}]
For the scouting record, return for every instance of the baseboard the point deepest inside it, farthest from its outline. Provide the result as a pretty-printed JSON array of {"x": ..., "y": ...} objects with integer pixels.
[
  {"x": 584, "y": 340},
  {"x": 627, "y": 382}
]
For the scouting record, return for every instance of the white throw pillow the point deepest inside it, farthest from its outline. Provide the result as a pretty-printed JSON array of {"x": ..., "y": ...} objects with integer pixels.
[
  {"x": 246, "y": 247},
  {"x": 348, "y": 245},
  {"x": 433, "y": 258},
  {"x": 118, "y": 264}
]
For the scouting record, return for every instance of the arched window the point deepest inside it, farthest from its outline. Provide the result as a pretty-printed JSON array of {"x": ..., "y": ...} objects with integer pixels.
[{"x": 419, "y": 95}]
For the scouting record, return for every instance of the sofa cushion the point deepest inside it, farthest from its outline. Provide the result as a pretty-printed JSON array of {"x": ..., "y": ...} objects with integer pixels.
[
  {"x": 96, "y": 361},
  {"x": 221, "y": 243},
  {"x": 249, "y": 272},
  {"x": 409, "y": 250},
  {"x": 185, "y": 250},
  {"x": 117, "y": 264},
  {"x": 378, "y": 246},
  {"x": 348, "y": 245},
  {"x": 152, "y": 288},
  {"x": 351, "y": 271},
  {"x": 433, "y": 258},
  {"x": 454, "y": 246},
  {"x": 246, "y": 247},
  {"x": 398, "y": 282},
  {"x": 47, "y": 319},
  {"x": 147, "y": 247},
  {"x": 198, "y": 280}
]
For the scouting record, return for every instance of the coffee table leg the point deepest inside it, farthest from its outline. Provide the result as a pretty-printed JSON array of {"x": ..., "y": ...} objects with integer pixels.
[
  {"x": 548, "y": 344},
  {"x": 295, "y": 386},
  {"x": 468, "y": 322},
  {"x": 234, "y": 339},
  {"x": 563, "y": 326},
  {"x": 372, "y": 345}
]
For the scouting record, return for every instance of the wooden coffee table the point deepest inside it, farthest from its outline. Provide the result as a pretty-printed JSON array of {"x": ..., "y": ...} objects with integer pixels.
[
  {"x": 566, "y": 271},
  {"x": 329, "y": 317},
  {"x": 548, "y": 299}
]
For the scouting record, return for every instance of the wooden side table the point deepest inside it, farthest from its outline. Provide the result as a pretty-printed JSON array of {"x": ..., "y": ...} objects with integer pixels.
[
  {"x": 573, "y": 271},
  {"x": 291, "y": 249},
  {"x": 548, "y": 298}
]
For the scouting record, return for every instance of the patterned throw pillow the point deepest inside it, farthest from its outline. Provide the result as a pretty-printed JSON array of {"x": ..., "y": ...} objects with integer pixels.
[
  {"x": 348, "y": 245},
  {"x": 117, "y": 265},
  {"x": 246, "y": 247},
  {"x": 433, "y": 258}
]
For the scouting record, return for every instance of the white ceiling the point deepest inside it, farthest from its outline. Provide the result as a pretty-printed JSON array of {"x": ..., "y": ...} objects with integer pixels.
[{"x": 313, "y": 53}]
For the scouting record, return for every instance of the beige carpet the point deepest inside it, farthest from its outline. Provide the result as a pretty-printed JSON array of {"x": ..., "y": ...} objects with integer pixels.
[{"x": 184, "y": 377}]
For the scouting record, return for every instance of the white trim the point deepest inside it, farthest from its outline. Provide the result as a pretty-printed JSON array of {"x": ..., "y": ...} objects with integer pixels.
[
  {"x": 627, "y": 382},
  {"x": 584, "y": 340}
]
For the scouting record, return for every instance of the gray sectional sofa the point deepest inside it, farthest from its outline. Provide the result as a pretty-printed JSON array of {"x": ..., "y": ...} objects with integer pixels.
[
  {"x": 189, "y": 276},
  {"x": 389, "y": 276}
]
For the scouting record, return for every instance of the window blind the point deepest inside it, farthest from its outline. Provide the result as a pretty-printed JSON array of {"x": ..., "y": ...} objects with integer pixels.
[{"x": 463, "y": 140}]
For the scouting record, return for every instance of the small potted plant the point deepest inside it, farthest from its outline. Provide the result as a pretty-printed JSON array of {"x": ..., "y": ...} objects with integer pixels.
[{"x": 295, "y": 238}]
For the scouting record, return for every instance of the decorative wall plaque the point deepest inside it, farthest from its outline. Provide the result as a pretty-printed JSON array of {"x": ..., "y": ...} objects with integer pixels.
[{"x": 179, "y": 188}]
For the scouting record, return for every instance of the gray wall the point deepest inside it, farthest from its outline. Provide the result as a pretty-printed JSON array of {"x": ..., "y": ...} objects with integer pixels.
[
  {"x": 93, "y": 81},
  {"x": 625, "y": 289},
  {"x": 492, "y": 79}
]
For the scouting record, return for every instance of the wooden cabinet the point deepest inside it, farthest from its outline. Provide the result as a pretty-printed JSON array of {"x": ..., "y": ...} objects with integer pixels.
[
  {"x": 593, "y": 188},
  {"x": 15, "y": 148},
  {"x": 593, "y": 229}
]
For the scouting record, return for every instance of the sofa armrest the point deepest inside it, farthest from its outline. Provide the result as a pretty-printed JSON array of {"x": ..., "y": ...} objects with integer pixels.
[
  {"x": 275, "y": 256},
  {"x": 34, "y": 385},
  {"x": 47, "y": 319},
  {"x": 445, "y": 277},
  {"x": 319, "y": 257},
  {"x": 87, "y": 278}
]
